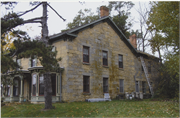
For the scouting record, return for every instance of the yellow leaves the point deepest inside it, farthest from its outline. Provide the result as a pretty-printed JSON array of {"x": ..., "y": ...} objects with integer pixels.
[{"x": 8, "y": 39}]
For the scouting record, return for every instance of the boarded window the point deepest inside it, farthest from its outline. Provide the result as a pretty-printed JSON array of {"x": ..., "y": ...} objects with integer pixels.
[
  {"x": 105, "y": 58},
  {"x": 120, "y": 61},
  {"x": 121, "y": 83},
  {"x": 34, "y": 77},
  {"x": 144, "y": 87},
  {"x": 105, "y": 85},
  {"x": 86, "y": 84},
  {"x": 85, "y": 54},
  {"x": 137, "y": 86}
]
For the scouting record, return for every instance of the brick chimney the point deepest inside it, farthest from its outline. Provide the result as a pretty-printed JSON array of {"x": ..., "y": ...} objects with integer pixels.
[
  {"x": 104, "y": 11},
  {"x": 132, "y": 40}
]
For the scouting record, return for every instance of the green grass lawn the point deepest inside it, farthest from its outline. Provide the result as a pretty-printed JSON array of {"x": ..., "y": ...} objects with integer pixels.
[{"x": 115, "y": 108}]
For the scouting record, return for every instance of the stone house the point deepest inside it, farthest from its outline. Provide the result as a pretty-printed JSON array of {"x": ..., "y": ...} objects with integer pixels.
[{"x": 97, "y": 58}]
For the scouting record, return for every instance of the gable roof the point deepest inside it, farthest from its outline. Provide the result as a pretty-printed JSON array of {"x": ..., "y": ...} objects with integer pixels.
[{"x": 72, "y": 33}]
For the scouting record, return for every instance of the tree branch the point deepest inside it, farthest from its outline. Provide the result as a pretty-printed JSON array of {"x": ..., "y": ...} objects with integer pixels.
[
  {"x": 30, "y": 10},
  {"x": 56, "y": 12}
]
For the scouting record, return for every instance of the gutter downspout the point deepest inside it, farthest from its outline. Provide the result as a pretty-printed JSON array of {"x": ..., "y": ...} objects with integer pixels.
[
  {"x": 60, "y": 83},
  {"x": 60, "y": 86}
]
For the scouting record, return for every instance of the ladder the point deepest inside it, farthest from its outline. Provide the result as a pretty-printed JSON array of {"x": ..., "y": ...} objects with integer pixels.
[{"x": 147, "y": 76}]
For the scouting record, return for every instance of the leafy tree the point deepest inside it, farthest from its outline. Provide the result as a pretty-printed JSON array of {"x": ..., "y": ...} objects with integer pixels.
[
  {"x": 164, "y": 19},
  {"x": 82, "y": 18},
  {"x": 25, "y": 48},
  {"x": 164, "y": 22},
  {"x": 122, "y": 14},
  {"x": 169, "y": 82}
]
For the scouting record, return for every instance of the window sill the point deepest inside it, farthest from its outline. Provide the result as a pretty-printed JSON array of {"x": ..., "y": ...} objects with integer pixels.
[
  {"x": 86, "y": 63},
  {"x": 105, "y": 66},
  {"x": 86, "y": 93},
  {"x": 121, "y": 69}
]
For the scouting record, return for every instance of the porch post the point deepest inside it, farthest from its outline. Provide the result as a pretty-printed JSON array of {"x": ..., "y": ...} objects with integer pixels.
[
  {"x": 11, "y": 91},
  {"x": 21, "y": 91}
]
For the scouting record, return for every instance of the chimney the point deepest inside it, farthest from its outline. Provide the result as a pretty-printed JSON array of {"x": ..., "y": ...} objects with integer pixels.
[
  {"x": 104, "y": 11},
  {"x": 132, "y": 40}
]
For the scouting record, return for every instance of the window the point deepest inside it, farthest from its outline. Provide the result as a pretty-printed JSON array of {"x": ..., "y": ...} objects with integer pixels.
[
  {"x": 105, "y": 58},
  {"x": 149, "y": 87},
  {"x": 16, "y": 88},
  {"x": 143, "y": 86},
  {"x": 85, "y": 54},
  {"x": 121, "y": 83},
  {"x": 41, "y": 85},
  {"x": 19, "y": 63},
  {"x": 120, "y": 61},
  {"x": 34, "y": 84},
  {"x": 137, "y": 86},
  {"x": 105, "y": 85},
  {"x": 53, "y": 81},
  {"x": 149, "y": 66},
  {"x": 86, "y": 84},
  {"x": 7, "y": 90},
  {"x": 32, "y": 62},
  {"x": 142, "y": 68}
]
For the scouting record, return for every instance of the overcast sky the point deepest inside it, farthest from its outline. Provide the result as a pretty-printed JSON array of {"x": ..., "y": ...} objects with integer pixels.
[{"x": 68, "y": 10}]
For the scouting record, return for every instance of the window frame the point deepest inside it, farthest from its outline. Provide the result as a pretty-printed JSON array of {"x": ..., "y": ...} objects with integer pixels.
[
  {"x": 39, "y": 85},
  {"x": 86, "y": 55},
  {"x": 35, "y": 84},
  {"x": 137, "y": 86},
  {"x": 87, "y": 84},
  {"x": 53, "y": 84},
  {"x": 144, "y": 87},
  {"x": 121, "y": 80},
  {"x": 8, "y": 91},
  {"x": 120, "y": 62},
  {"x": 105, "y": 84},
  {"x": 105, "y": 58},
  {"x": 17, "y": 87}
]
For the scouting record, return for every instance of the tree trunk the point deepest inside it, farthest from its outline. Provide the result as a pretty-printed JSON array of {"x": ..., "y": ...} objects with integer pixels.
[
  {"x": 48, "y": 91},
  {"x": 47, "y": 76}
]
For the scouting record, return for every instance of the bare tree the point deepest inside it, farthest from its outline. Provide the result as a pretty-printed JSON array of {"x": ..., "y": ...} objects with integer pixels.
[{"x": 144, "y": 31}]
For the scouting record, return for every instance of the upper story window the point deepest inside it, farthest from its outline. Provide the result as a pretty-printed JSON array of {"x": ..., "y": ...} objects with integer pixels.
[
  {"x": 32, "y": 62},
  {"x": 85, "y": 54},
  {"x": 120, "y": 61},
  {"x": 149, "y": 66},
  {"x": 105, "y": 58},
  {"x": 18, "y": 62}
]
